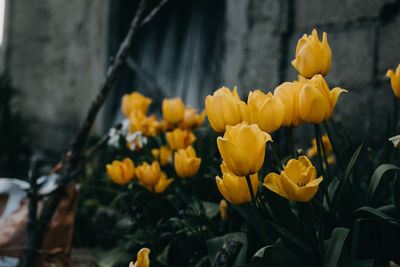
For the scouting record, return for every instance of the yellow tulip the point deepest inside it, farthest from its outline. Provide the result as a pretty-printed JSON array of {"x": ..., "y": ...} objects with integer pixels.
[
  {"x": 186, "y": 163},
  {"x": 173, "y": 110},
  {"x": 149, "y": 126},
  {"x": 162, "y": 184},
  {"x": 312, "y": 56},
  {"x": 135, "y": 102},
  {"x": 179, "y": 139},
  {"x": 297, "y": 182},
  {"x": 164, "y": 154},
  {"x": 316, "y": 101},
  {"x": 223, "y": 209},
  {"x": 395, "y": 80},
  {"x": 266, "y": 110},
  {"x": 289, "y": 92},
  {"x": 243, "y": 148},
  {"x": 222, "y": 109},
  {"x": 142, "y": 259},
  {"x": 311, "y": 152},
  {"x": 234, "y": 188},
  {"x": 191, "y": 119},
  {"x": 148, "y": 175},
  {"x": 121, "y": 172}
]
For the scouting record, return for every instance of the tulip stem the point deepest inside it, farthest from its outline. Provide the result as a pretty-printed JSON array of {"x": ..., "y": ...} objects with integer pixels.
[
  {"x": 273, "y": 150},
  {"x": 291, "y": 143},
  {"x": 333, "y": 142},
  {"x": 253, "y": 199},
  {"x": 328, "y": 171},
  {"x": 317, "y": 132}
]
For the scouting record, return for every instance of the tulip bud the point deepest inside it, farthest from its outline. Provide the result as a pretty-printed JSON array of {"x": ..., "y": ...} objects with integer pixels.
[
  {"x": 312, "y": 56},
  {"x": 173, "y": 110},
  {"x": 234, "y": 188},
  {"x": 179, "y": 139},
  {"x": 243, "y": 148},
  {"x": 265, "y": 110},
  {"x": 395, "y": 80},
  {"x": 191, "y": 119},
  {"x": 316, "y": 101},
  {"x": 162, "y": 184},
  {"x": 297, "y": 182},
  {"x": 289, "y": 92},
  {"x": 135, "y": 102},
  {"x": 223, "y": 209},
  {"x": 148, "y": 175},
  {"x": 142, "y": 259},
  {"x": 222, "y": 109},
  {"x": 311, "y": 152},
  {"x": 121, "y": 172},
  {"x": 185, "y": 162}
]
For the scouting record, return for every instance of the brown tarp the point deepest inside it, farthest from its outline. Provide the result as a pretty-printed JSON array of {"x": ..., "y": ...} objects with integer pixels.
[{"x": 56, "y": 244}]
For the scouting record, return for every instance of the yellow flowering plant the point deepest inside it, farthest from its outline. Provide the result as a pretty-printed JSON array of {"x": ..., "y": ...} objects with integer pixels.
[{"x": 278, "y": 203}]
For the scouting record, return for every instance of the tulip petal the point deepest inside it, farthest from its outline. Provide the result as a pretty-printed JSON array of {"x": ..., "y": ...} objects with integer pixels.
[
  {"x": 235, "y": 158},
  {"x": 224, "y": 192},
  {"x": 273, "y": 182},
  {"x": 271, "y": 114},
  {"x": 312, "y": 105},
  {"x": 237, "y": 187},
  {"x": 306, "y": 193},
  {"x": 289, "y": 187}
]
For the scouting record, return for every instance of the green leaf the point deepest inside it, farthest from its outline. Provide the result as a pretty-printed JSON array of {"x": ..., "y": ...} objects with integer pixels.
[
  {"x": 215, "y": 244},
  {"x": 336, "y": 244},
  {"x": 114, "y": 257},
  {"x": 211, "y": 209},
  {"x": 377, "y": 177},
  {"x": 299, "y": 247},
  {"x": 276, "y": 255},
  {"x": 368, "y": 212},
  {"x": 340, "y": 189},
  {"x": 163, "y": 257},
  {"x": 396, "y": 193}
]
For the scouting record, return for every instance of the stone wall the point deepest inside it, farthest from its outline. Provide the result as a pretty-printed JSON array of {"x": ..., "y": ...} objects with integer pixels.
[
  {"x": 261, "y": 38},
  {"x": 56, "y": 57}
]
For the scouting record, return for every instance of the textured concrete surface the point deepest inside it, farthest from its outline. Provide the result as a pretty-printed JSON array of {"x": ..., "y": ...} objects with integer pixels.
[{"x": 56, "y": 57}]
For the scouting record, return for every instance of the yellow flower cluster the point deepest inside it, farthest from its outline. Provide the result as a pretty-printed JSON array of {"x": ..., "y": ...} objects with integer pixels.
[
  {"x": 247, "y": 125},
  {"x": 177, "y": 118}
]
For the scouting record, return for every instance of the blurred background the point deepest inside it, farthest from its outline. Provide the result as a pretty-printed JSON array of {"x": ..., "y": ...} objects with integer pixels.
[{"x": 55, "y": 55}]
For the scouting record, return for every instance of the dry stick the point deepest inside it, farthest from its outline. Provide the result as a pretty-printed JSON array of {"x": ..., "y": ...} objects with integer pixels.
[
  {"x": 30, "y": 248},
  {"x": 70, "y": 162}
]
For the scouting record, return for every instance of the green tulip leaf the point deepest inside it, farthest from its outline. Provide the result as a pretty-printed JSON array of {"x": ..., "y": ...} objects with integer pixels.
[
  {"x": 276, "y": 255},
  {"x": 377, "y": 177},
  {"x": 335, "y": 248},
  {"x": 340, "y": 189},
  {"x": 368, "y": 212},
  {"x": 211, "y": 209}
]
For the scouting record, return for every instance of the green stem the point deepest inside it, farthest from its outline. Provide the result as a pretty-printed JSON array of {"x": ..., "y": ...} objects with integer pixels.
[
  {"x": 291, "y": 143},
  {"x": 317, "y": 132},
  {"x": 273, "y": 150},
  {"x": 253, "y": 199}
]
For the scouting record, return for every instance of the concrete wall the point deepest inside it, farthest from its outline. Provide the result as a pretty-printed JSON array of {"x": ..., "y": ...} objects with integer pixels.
[
  {"x": 261, "y": 38},
  {"x": 56, "y": 56}
]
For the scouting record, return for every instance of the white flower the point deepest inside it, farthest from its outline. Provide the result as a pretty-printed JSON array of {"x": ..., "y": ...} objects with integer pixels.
[
  {"x": 395, "y": 140},
  {"x": 136, "y": 140},
  {"x": 113, "y": 137},
  {"x": 125, "y": 127}
]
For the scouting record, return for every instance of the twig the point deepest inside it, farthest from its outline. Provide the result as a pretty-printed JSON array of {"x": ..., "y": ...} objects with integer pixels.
[
  {"x": 71, "y": 165},
  {"x": 30, "y": 248}
]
